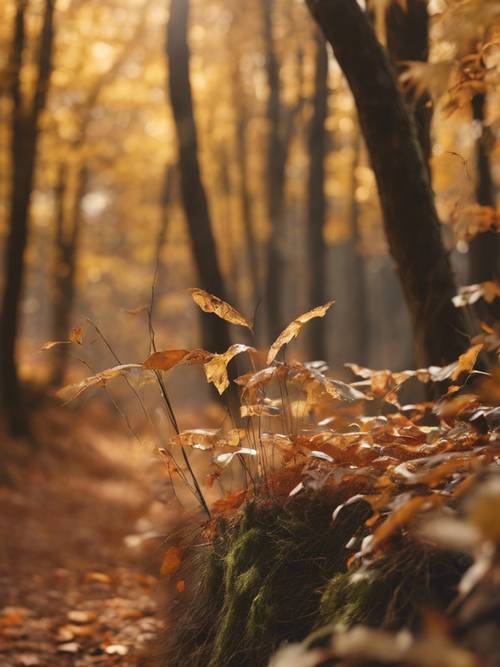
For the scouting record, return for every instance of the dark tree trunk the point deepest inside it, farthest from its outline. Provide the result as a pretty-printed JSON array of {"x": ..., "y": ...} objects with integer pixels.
[
  {"x": 241, "y": 123},
  {"x": 316, "y": 200},
  {"x": 410, "y": 218},
  {"x": 24, "y": 128},
  {"x": 360, "y": 328},
  {"x": 68, "y": 231},
  {"x": 484, "y": 249},
  {"x": 275, "y": 180},
  {"x": 408, "y": 39},
  {"x": 215, "y": 331}
]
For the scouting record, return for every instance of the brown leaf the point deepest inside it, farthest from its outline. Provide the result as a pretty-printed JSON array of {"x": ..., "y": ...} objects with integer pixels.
[
  {"x": 252, "y": 382},
  {"x": 53, "y": 343},
  {"x": 216, "y": 368},
  {"x": 398, "y": 518},
  {"x": 180, "y": 586},
  {"x": 171, "y": 561},
  {"x": 212, "y": 304},
  {"x": 72, "y": 391},
  {"x": 466, "y": 361},
  {"x": 294, "y": 328},
  {"x": 76, "y": 335},
  {"x": 164, "y": 361},
  {"x": 200, "y": 438}
]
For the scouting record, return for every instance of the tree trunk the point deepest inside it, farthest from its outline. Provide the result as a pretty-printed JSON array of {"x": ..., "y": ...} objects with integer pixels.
[
  {"x": 408, "y": 39},
  {"x": 316, "y": 201},
  {"x": 24, "y": 128},
  {"x": 275, "y": 179},
  {"x": 360, "y": 328},
  {"x": 484, "y": 249},
  {"x": 67, "y": 239},
  {"x": 215, "y": 332},
  {"x": 241, "y": 123},
  {"x": 410, "y": 218}
]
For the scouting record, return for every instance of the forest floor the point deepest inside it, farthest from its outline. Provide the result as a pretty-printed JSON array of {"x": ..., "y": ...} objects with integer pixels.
[{"x": 80, "y": 547}]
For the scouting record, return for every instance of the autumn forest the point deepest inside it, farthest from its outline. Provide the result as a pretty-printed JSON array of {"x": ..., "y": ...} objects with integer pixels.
[{"x": 249, "y": 333}]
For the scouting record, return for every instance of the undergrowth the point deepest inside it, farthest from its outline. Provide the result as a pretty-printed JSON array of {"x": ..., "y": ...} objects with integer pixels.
[{"x": 318, "y": 525}]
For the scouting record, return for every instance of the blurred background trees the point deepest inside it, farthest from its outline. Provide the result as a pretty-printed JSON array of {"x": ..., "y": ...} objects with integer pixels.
[{"x": 229, "y": 156}]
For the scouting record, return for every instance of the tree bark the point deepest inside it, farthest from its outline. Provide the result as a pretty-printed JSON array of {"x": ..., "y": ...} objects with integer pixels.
[
  {"x": 316, "y": 200},
  {"x": 215, "y": 332},
  {"x": 360, "y": 316},
  {"x": 410, "y": 217},
  {"x": 241, "y": 123},
  {"x": 67, "y": 238},
  {"x": 408, "y": 39},
  {"x": 24, "y": 141},
  {"x": 275, "y": 179},
  {"x": 484, "y": 249}
]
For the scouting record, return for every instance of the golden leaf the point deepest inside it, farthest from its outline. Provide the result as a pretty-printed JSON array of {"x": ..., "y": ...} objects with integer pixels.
[
  {"x": 72, "y": 391},
  {"x": 76, "y": 335},
  {"x": 252, "y": 382},
  {"x": 212, "y": 304},
  {"x": 171, "y": 562},
  {"x": 53, "y": 343},
  {"x": 294, "y": 328},
  {"x": 199, "y": 438},
  {"x": 466, "y": 361},
  {"x": 216, "y": 368}
]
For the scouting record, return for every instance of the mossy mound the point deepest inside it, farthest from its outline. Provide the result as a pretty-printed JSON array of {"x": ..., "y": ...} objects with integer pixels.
[{"x": 278, "y": 572}]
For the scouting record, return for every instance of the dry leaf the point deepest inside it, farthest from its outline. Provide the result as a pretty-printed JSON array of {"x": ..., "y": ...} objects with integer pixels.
[
  {"x": 72, "y": 391},
  {"x": 53, "y": 343},
  {"x": 216, "y": 368},
  {"x": 164, "y": 361},
  {"x": 252, "y": 382},
  {"x": 76, "y": 335},
  {"x": 171, "y": 561},
  {"x": 398, "y": 518},
  {"x": 199, "y": 438},
  {"x": 466, "y": 361},
  {"x": 180, "y": 586},
  {"x": 212, "y": 304},
  {"x": 294, "y": 328}
]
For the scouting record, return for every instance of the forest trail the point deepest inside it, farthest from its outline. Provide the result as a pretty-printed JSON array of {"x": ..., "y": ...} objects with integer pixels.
[{"x": 77, "y": 565}]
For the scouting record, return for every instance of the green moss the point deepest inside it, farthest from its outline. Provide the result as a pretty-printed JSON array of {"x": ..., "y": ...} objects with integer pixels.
[
  {"x": 347, "y": 600},
  {"x": 278, "y": 572}
]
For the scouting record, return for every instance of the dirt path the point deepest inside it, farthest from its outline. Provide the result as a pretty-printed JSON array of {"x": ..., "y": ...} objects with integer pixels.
[{"x": 78, "y": 560}]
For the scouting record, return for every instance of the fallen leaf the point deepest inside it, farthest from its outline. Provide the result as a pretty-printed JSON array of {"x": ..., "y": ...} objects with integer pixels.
[
  {"x": 81, "y": 617},
  {"x": 180, "y": 586},
  {"x": 294, "y": 328},
  {"x": 98, "y": 577},
  {"x": 70, "y": 647},
  {"x": 171, "y": 561},
  {"x": 116, "y": 649},
  {"x": 212, "y": 304}
]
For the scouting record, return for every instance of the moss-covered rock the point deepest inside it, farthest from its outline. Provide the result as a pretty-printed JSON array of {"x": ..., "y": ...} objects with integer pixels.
[{"x": 279, "y": 571}]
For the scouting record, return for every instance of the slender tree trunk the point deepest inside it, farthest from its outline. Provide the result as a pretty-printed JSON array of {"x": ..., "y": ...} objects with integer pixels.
[
  {"x": 241, "y": 123},
  {"x": 316, "y": 200},
  {"x": 484, "y": 249},
  {"x": 360, "y": 328},
  {"x": 24, "y": 128},
  {"x": 215, "y": 331},
  {"x": 68, "y": 232},
  {"x": 410, "y": 218},
  {"x": 408, "y": 39},
  {"x": 275, "y": 179}
]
